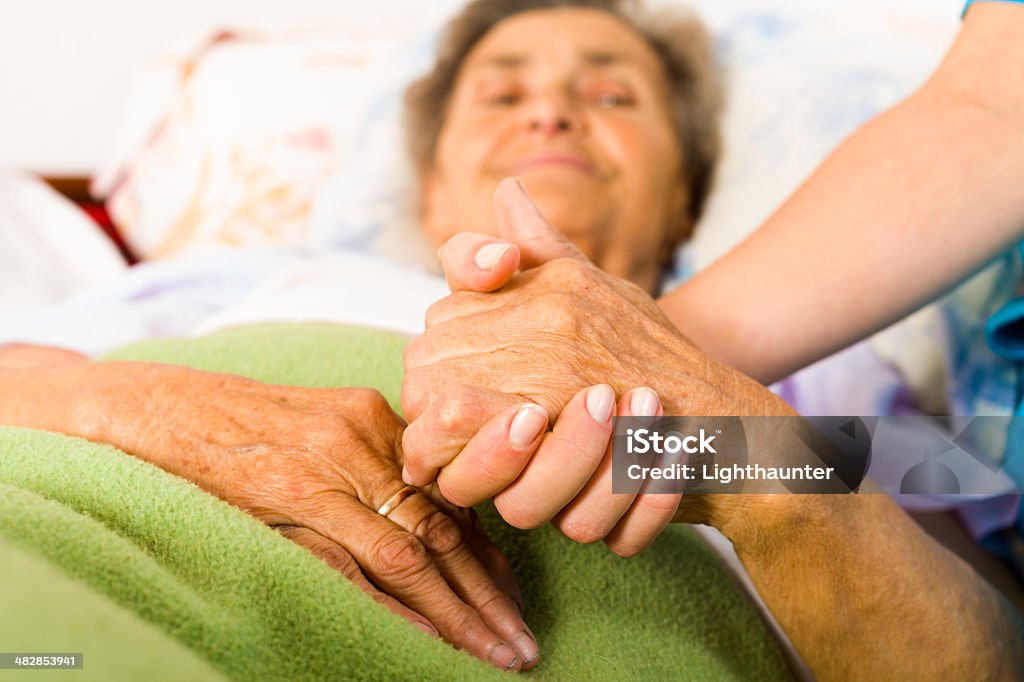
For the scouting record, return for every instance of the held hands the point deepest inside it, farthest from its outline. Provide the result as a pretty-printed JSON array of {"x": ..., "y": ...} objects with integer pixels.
[
  {"x": 560, "y": 338},
  {"x": 318, "y": 464}
]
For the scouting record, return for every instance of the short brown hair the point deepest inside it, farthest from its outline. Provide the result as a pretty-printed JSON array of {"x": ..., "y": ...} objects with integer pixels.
[{"x": 679, "y": 39}]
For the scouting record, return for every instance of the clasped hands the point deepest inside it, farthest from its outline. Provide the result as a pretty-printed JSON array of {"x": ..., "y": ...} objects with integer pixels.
[{"x": 534, "y": 332}]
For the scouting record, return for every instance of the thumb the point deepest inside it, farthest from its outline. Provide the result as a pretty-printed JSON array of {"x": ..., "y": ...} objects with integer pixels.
[{"x": 520, "y": 222}]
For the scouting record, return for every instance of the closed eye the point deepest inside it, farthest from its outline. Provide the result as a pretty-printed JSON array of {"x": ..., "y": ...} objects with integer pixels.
[
  {"x": 611, "y": 100},
  {"x": 506, "y": 99}
]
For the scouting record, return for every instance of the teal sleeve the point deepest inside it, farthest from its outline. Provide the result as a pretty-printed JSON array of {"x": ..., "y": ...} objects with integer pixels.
[{"x": 971, "y": 2}]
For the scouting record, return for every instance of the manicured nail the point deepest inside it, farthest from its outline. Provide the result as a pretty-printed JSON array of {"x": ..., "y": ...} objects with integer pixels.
[
  {"x": 426, "y": 627},
  {"x": 600, "y": 400},
  {"x": 527, "y": 647},
  {"x": 528, "y": 423},
  {"x": 488, "y": 256},
  {"x": 504, "y": 657},
  {"x": 644, "y": 403},
  {"x": 406, "y": 476}
]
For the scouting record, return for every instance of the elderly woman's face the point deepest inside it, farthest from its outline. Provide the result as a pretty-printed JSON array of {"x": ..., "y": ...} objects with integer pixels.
[{"x": 576, "y": 104}]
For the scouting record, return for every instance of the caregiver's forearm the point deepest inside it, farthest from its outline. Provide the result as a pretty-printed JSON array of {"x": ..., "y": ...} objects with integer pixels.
[
  {"x": 913, "y": 202},
  {"x": 863, "y": 593}
]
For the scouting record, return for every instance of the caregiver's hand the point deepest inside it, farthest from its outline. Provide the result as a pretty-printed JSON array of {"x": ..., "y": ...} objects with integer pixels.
[
  {"x": 316, "y": 464},
  {"x": 564, "y": 476}
]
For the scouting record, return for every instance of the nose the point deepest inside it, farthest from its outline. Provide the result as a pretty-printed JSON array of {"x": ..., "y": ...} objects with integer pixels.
[{"x": 552, "y": 113}]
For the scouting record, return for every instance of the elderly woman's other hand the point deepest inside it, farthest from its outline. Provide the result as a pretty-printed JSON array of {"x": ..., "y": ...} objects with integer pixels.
[
  {"x": 319, "y": 465},
  {"x": 540, "y": 338}
]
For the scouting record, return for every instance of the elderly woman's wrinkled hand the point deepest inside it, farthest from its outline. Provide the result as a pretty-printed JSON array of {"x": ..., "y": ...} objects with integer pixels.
[{"x": 319, "y": 464}]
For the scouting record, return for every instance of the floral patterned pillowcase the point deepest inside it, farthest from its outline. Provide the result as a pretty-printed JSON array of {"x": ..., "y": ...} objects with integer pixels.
[{"x": 280, "y": 136}]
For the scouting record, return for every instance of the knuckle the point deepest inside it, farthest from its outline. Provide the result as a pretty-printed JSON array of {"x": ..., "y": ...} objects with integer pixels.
[
  {"x": 342, "y": 562},
  {"x": 436, "y": 311},
  {"x": 371, "y": 399},
  {"x": 399, "y": 556},
  {"x": 493, "y": 598},
  {"x": 558, "y": 311},
  {"x": 587, "y": 455},
  {"x": 659, "y": 505},
  {"x": 439, "y": 533},
  {"x": 624, "y": 549},
  {"x": 462, "y": 620},
  {"x": 422, "y": 351},
  {"x": 453, "y": 409},
  {"x": 568, "y": 273},
  {"x": 583, "y": 532},
  {"x": 516, "y": 514}
]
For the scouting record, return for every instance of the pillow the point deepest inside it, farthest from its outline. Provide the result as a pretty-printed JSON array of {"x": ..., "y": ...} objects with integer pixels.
[
  {"x": 51, "y": 249},
  {"x": 292, "y": 134}
]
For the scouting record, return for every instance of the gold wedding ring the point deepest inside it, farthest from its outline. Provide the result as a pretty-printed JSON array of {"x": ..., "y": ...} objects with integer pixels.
[{"x": 396, "y": 499}]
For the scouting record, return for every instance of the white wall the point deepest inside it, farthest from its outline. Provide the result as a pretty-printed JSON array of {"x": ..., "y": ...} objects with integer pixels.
[{"x": 65, "y": 66}]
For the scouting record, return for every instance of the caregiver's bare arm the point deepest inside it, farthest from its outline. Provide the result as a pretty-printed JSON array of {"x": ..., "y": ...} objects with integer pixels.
[
  {"x": 864, "y": 593},
  {"x": 909, "y": 205},
  {"x": 314, "y": 463}
]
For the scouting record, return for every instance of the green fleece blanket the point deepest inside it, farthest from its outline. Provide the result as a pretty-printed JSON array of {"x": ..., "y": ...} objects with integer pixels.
[{"x": 151, "y": 578}]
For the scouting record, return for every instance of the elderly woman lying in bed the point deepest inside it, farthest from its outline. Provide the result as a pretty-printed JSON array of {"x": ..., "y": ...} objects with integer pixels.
[{"x": 612, "y": 127}]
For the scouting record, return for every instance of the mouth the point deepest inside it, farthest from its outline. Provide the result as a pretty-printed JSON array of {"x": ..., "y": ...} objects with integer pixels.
[{"x": 555, "y": 160}]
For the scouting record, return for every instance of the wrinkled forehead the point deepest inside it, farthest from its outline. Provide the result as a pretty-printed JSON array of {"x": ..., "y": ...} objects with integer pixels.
[{"x": 570, "y": 39}]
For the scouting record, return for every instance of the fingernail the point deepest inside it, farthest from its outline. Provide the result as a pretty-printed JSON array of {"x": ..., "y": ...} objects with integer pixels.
[
  {"x": 440, "y": 250},
  {"x": 521, "y": 184},
  {"x": 528, "y": 423},
  {"x": 504, "y": 657},
  {"x": 527, "y": 647},
  {"x": 406, "y": 476},
  {"x": 488, "y": 256},
  {"x": 644, "y": 403},
  {"x": 426, "y": 627},
  {"x": 599, "y": 403}
]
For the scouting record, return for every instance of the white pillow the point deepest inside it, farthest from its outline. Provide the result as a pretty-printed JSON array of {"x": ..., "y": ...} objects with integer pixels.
[{"x": 49, "y": 249}]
